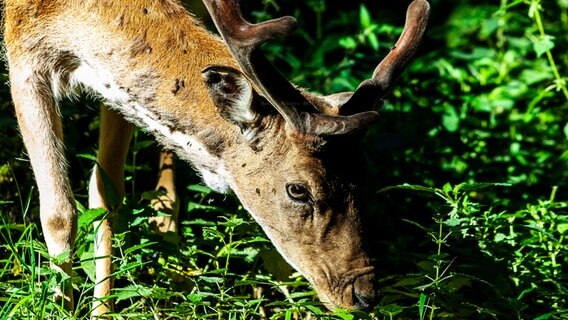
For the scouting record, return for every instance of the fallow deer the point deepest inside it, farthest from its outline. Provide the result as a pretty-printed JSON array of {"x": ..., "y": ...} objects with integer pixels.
[{"x": 219, "y": 105}]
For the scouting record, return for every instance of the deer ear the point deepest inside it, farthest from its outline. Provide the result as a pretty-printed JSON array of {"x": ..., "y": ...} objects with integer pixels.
[{"x": 232, "y": 95}]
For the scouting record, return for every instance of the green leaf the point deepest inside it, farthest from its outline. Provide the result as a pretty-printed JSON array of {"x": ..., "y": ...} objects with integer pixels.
[
  {"x": 562, "y": 227},
  {"x": 532, "y": 76},
  {"x": 410, "y": 187},
  {"x": 216, "y": 280},
  {"x": 476, "y": 186},
  {"x": 451, "y": 119},
  {"x": 364, "y": 17},
  {"x": 421, "y": 305},
  {"x": 447, "y": 188},
  {"x": 499, "y": 237},
  {"x": 233, "y": 222},
  {"x": 315, "y": 310},
  {"x": 373, "y": 40},
  {"x": 391, "y": 310},
  {"x": 87, "y": 156},
  {"x": 198, "y": 206},
  {"x": 200, "y": 188},
  {"x": 543, "y": 44},
  {"x": 89, "y": 216},
  {"x": 343, "y": 314},
  {"x": 196, "y": 298},
  {"x": 87, "y": 262},
  {"x": 131, "y": 291},
  {"x": 348, "y": 43},
  {"x": 453, "y": 222}
]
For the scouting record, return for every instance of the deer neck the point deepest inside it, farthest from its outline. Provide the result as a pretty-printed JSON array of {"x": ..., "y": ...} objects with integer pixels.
[{"x": 152, "y": 75}]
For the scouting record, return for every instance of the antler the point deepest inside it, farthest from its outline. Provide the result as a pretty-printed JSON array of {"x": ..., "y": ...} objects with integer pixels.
[
  {"x": 371, "y": 91},
  {"x": 244, "y": 40}
]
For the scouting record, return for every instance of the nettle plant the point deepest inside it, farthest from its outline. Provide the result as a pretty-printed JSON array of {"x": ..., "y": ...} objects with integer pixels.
[{"x": 517, "y": 258}]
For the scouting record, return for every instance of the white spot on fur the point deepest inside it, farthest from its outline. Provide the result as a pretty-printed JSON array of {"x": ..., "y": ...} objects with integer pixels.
[{"x": 101, "y": 82}]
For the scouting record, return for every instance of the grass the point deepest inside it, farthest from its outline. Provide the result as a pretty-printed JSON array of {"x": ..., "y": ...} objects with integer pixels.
[{"x": 222, "y": 267}]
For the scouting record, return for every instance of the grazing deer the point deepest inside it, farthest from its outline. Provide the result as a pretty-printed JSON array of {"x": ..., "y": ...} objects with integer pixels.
[{"x": 219, "y": 105}]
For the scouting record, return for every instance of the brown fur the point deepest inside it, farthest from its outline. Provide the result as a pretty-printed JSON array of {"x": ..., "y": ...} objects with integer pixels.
[{"x": 156, "y": 52}]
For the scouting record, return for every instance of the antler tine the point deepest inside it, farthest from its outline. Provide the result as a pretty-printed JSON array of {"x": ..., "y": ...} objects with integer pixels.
[
  {"x": 371, "y": 91},
  {"x": 326, "y": 125},
  {"x": 244, "y": 40}
]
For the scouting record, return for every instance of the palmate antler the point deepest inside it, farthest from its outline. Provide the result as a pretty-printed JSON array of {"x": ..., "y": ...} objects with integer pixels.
[{"x": 244, "y": 40}]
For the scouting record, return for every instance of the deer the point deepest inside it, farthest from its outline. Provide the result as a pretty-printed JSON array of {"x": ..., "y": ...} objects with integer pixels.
[{"x": 216, "y": 102}]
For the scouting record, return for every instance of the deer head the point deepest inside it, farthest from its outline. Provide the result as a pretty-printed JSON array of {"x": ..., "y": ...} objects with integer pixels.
[{"x": 297, "y": 165}]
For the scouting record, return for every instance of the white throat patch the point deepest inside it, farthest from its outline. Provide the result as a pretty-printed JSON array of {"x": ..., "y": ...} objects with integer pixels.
[{"x": 186, "y": 146}]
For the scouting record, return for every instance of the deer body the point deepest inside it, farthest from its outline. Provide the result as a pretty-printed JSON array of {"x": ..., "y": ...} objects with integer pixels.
[
  {"x": 112, "y": 51},
  {"x": 157, "y": 67}
]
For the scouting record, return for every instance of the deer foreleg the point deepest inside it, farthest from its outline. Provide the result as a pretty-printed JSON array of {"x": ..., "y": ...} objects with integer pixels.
[
  {"x": 167, "y": 202},
  {"x": 114, "y": 139},
  {"x": 41, "y": 129}
]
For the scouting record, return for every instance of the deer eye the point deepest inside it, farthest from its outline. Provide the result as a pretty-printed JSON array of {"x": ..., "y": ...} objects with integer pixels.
[{"x": 298, "y": 192}]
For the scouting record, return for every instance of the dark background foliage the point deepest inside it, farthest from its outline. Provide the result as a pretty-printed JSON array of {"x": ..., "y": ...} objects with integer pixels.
[{"x": 474, "y": 134}]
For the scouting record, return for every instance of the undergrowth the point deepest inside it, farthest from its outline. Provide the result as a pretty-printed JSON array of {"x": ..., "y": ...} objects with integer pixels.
[{"x": 485, "y": 100}]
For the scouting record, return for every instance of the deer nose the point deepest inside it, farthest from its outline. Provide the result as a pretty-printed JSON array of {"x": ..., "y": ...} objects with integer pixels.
[
  {"x": 364, "y": 302},
  {"x": 365, "y": 292}
]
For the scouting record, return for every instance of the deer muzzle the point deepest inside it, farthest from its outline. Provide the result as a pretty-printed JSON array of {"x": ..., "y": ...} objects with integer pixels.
[
  {"x": 365, "y": 291},
  {"x": 355, "y": 289}
]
